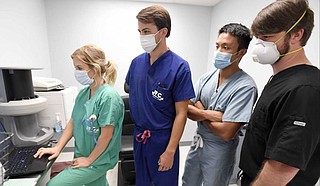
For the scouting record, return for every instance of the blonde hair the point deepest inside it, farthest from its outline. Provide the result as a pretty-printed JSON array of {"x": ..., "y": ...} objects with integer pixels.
[{"x": 95, "y": 58}]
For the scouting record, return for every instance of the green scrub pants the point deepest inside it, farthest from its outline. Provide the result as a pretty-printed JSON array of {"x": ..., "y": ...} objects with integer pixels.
[{"x": 89, "y": 176}]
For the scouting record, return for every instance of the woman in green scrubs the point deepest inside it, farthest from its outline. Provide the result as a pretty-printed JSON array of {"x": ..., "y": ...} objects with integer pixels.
[{"x": 96, "y": 122}]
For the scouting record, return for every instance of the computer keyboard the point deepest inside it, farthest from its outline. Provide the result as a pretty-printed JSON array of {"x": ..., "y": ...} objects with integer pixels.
[{"x": 21, "y": 159}]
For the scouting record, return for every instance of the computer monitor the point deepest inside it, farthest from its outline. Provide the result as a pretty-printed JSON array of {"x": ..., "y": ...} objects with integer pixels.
[
  {"x": 15, "y": 84},
  {"x": 19, "y": 107}
]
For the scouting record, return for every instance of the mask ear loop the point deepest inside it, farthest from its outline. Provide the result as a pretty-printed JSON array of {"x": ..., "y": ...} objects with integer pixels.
[
  {"x": 160, "y": 38},
  {"x": 295, "y": 24},
  {"x": 236, "y": 53}
]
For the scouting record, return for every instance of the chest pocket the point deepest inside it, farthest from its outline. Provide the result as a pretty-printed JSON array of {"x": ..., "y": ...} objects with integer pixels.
[
  {"x": 91, "y": 128},
  {"x": 217, "y": 103},
  {"x": 259, "y": 124},
  {"x": 219, "y": 107},
  {"x": 161, "y": 96}
]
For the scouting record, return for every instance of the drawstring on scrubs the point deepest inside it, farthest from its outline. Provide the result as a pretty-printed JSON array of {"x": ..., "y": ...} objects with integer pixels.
[
  {"x": 198, "y": 141},
  {"x": 143, "y": 136}
]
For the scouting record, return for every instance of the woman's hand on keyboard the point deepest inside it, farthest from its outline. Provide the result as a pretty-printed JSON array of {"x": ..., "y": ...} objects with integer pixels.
[{"x": 54, "y": 152}]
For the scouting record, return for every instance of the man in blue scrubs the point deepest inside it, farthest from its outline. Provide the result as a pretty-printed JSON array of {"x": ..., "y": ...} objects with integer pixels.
[
  {"x": 160, "y": 88},
  {"x": 224, "y": 102}
]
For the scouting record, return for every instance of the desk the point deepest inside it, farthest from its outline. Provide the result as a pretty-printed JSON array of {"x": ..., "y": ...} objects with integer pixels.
[
  {"x": 40, "y": 179},
  {"x": 32, "y": 180}
]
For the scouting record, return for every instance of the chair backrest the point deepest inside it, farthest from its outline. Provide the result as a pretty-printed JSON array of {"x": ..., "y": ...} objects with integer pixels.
[
  {"x": 126, "y": 170},
  {"x": 128, "y": 125}
]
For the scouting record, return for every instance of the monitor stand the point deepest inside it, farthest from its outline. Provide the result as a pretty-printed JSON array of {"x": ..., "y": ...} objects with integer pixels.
[
  {"x": 26, "y": 130},
  {"x": 21, "y": 118}
]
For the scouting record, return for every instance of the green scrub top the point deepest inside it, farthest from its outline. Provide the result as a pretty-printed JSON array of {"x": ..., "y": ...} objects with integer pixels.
[{"x": 107, "y": 105}]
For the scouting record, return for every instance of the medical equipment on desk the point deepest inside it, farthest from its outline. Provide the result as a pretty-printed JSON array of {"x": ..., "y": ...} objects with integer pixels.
[
  {"x": 46, "y": 84},
  {"x": 59, "y": 101},
  {"x": 19, "y": 107}
]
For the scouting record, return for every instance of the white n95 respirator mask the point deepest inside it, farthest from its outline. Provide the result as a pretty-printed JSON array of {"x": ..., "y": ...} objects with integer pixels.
[{"x": 265, "y": 52}]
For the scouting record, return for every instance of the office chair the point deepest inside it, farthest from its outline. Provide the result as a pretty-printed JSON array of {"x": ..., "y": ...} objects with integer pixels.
[{"x": 126, "y": 171}]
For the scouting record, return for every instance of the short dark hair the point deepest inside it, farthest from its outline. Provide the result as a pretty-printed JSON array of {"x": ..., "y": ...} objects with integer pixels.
[
  {"x": 241, "y": 32},
  {"x": 281, "y": 15},
  {"x": 156, "y": 14}
]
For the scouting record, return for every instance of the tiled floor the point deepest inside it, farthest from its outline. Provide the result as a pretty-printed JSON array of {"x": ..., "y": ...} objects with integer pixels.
[{"x": 112, "y": 175}]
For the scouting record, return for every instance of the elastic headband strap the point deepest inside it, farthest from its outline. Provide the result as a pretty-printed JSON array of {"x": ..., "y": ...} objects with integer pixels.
[
  {"x": 292, "y": 26},
  {"x": 293, "y": 51}
]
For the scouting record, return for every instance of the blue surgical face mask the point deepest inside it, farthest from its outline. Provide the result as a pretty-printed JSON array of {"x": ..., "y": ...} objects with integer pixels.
[
  {"x": 222, "y": 59},
  {"x": 82, "y": 77}
]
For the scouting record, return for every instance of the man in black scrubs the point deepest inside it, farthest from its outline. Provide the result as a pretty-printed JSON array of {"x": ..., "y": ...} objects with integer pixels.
[{"x": 282, "y": 142}]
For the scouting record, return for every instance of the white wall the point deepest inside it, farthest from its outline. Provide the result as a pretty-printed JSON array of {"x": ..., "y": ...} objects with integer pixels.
[
  {"x": 112, "y": 26},
  {"x": 244, "y": 12},
  {"x": 43, "y": 34},
  {"x": 313, "y": 45},
  {"x": 23, "y": 35}
]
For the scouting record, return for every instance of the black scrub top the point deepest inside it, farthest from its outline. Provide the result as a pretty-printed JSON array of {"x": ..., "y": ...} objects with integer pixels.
[{"x": 285, "y": 125}]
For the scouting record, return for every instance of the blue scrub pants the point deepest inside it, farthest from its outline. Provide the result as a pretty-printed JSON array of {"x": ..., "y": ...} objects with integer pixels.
[
  {"x": 211, "y": 165},
  {"x": 146, "y": 157}
]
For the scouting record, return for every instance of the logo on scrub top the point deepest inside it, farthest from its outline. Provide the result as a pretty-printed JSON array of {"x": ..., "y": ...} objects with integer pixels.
[
  {"x": 94, "y": 129},
  {"x": 157, "y": 95}
]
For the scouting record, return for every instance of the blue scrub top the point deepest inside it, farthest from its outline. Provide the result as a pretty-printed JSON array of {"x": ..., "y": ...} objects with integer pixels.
[
  {"x": 235, "y": 98},
  {"x": 155, "y": 88}
]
